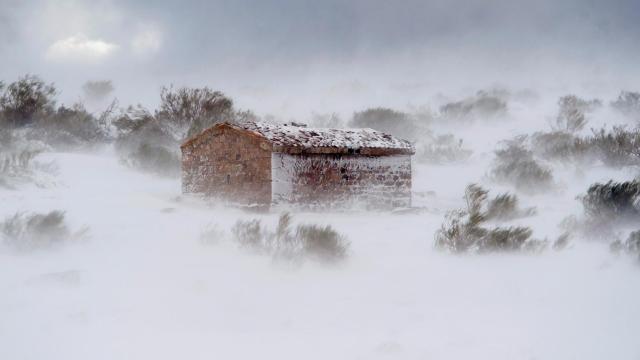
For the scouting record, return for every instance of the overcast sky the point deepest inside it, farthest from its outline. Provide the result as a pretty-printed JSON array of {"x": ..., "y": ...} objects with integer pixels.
[{"x": 289, "y": 55}]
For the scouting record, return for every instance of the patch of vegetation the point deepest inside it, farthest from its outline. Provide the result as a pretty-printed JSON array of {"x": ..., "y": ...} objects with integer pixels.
[
  {"x": 466, "y": 231},
  {"x": 484, "y": 105},
  {"x": 441, "y": 149},
  {"x": 292, "y": 244},
  {"x": 188, "y": 111},
  {"x": 628, "y": 103},
  {"x": 27, "y": 100},
  {"x": 516, "y": 165},
  {"x": 572, "y": 115},
  {"x": 617, "y": 147},
  {"x": 613, "y": 200},
  {"x": 386, "y": 120},
  {"x": 154, "y": 159},
  {"x": 27, "y": 232},
  {"x": 630, "y": 246},
  {"x": 504, "y": 207}
]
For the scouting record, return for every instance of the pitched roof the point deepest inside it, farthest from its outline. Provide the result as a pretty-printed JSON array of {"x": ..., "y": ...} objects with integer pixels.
[{"x": 299, "y": 139}]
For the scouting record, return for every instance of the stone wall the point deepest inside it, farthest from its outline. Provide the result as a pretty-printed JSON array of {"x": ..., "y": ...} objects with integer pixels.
[
  {"x": 327, "y": 181},
  {"x": 230, "y": 164}
]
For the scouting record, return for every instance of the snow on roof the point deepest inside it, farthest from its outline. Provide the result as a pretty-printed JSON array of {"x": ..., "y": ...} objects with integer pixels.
[{"x": 286, "y": 137}]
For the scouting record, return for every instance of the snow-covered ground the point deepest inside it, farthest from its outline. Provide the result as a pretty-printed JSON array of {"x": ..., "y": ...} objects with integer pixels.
[{"x": 144, "y": 286}]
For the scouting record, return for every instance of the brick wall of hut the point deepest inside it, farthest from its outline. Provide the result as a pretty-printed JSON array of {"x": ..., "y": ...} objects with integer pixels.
[
  {"x": 325, "y": 180},
  {"x": 230, "y": 164}
]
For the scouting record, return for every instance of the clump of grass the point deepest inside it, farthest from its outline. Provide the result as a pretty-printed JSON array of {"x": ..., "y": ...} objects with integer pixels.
[
  {"x": 25, "y": 232},
  {"x": 466, "y": 230},
  {"x": 286, "y": 243},
  {"x": 516, "y": 165}
]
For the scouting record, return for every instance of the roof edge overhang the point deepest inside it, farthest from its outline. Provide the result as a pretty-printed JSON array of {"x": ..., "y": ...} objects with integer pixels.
[
  {"x": 297, "y": 150},
  {"x": 217, "y": 126}
]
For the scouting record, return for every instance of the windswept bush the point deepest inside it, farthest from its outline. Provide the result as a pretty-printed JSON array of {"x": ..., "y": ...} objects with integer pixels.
[
  {"x": 26, "y": 100},
  {"x": 505, "y": 207},
  {"x": 386, "y": 120},
  {"x": 26, "y": 232},
  {"x": 441, "y": 149},
  {"x": 154, "y": 159},
  {"x": 465, "y": 230},
  {"x": 628, "y": 103},
  {"x": 484, "y": 105},
  {"x": 187, "y": 111},
  {"x": 630, "y": 246},
  {"x": 516, "y": 165},
  {"x": 289, "y": 244},
  {"x": 617, "y": 147},
  {"x": 18, "y": 164},
  {"x": 571, "y": 117},
  {"x": 69, "y": 128},
  {"x": 612, "y": 200}
]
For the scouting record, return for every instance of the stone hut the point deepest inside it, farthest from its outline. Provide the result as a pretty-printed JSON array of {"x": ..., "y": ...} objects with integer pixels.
[{"x": 259, "y": 163}]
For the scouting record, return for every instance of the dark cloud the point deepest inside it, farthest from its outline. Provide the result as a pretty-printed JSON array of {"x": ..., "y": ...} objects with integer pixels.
[{"x": 267, "y": 44}]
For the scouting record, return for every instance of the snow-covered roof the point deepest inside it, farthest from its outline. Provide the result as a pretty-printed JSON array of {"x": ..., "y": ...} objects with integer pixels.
[{"x": 301, "y": 139}]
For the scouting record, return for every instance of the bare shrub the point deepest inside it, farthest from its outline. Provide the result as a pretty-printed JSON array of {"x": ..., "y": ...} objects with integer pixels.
[
  {"x": 504, "y": 207},
  {"x": 628, "y": 103},
  {"x": 630, "y": 246},
  {"x": 516, "y": 165},
  {"x": 560, "y": 145},
  {"x": 294, "y": 245},
  {"x": 250, "y": 234},
  {"x": 441, "y": 149},
  {"x": 322, "y": 243},
  {"x": 26, "y": 232},
  {"x": 484, "y": 105},
  {"x": 18, "y": 166},
  {"x": 191, "y": 110},
  {"x": 154, "y": 159},
  {"x": 386, "y": 120},
  {"x": 571, "y": 117},
  {"x": 27, "y": 99},
  {"x": 617, "y": 147},
  {"x": 465, "y": 230},
  {"x": 69, "y": 128}
]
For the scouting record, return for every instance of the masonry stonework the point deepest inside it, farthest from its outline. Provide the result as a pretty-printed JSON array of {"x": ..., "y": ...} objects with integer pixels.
[
  {"x": 229, "y": 164},
  {"x": 324, "y": 181}
]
